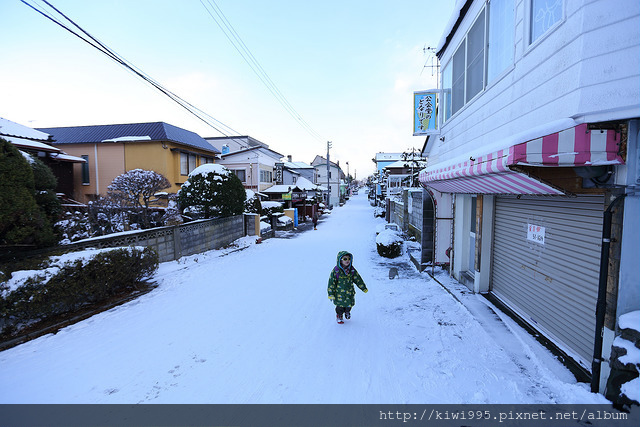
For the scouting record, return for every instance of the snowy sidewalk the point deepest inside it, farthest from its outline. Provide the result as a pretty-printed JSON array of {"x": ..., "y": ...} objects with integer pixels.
[{"x": 256, "y": 326}]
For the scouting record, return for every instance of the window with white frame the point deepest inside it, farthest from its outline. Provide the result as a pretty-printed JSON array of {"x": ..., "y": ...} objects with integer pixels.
[
  {"x": 544, "y": 15},
  {"x": 475, "y": 58},
  {"x": 481, "y": 56},
  {"x": 464, "y": 75},
  {"x": 446, "y": 91},
  {"x": 266, "y": 176},
  {"x": 501, "y": 37}
]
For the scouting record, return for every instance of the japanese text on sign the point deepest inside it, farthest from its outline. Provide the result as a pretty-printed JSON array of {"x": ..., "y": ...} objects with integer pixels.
[{"x": 535, "y": 233}]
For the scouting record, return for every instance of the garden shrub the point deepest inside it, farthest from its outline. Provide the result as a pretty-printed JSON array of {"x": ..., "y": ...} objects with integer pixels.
[
  {"x": 389, "y": 243},
  {"x": 67, "y": 286}
]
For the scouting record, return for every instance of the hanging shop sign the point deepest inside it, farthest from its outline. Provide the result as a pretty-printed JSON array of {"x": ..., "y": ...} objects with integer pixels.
[
  {"x": 279, "y": 171},
  {"x": 425, "y": 112}
]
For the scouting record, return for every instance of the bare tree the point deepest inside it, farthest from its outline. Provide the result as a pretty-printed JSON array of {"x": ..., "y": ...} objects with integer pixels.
[{"x": 137, "y": 188}]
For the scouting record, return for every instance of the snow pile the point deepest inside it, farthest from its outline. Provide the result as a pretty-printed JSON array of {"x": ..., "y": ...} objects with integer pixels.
[
  {"x": 630, "y": 321},
  {"x": 388, "y": 237},
  {"x": 284, "y": 220}
]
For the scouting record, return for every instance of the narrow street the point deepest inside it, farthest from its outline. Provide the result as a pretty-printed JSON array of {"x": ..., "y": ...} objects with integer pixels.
[{"x": 256, "y": 326}]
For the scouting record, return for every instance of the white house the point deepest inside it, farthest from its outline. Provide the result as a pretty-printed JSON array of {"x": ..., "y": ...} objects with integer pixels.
[
  {"x": 538, "y": 139},
  {"x": 251, "y": 160},
  {"x": 335, "y": 175}
]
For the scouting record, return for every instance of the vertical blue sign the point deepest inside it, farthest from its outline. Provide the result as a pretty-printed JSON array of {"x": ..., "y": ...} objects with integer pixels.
[{"x": 425, "y": 112}]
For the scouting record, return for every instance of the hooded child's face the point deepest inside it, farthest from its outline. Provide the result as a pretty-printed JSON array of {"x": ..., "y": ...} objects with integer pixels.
[{"x": 345, "y": 261}]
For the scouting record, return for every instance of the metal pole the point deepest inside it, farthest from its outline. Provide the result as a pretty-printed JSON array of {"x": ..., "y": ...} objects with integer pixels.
[{"x": 328, "y": 173}]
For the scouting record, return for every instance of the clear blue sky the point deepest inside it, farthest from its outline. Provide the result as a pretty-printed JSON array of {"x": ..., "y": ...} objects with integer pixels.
[{"x": 348, "y": 67}]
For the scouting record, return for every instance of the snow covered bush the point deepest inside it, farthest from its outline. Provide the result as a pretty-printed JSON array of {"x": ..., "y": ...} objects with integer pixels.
[
  {"x": 136, "y": 189},
  {"x": 271, "y": 208},
  {"x": 252, "y": 204},
  {"x": 74, "y": 226},
  {"x": 389, "y": 243},
  {"x": 212, "y": 191},
  {"x": 71, "y": 281},
  {"x": 172, "y": 215}
]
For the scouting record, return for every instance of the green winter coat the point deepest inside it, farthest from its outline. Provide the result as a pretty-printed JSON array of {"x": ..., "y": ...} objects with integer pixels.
[{"x": 340, "y": 288}]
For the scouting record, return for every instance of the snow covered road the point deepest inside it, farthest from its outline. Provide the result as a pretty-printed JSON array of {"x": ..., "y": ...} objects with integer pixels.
[{"x": 256, "y": 326}]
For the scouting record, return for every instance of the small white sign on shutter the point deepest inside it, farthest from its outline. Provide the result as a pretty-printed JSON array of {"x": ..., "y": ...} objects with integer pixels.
[{"x": 535, "y": 233}]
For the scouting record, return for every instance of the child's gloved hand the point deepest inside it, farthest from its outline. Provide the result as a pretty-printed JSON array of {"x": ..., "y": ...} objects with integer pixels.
[
  {"x": 331, "y": 297},
  {"x": 365, "y": 291}
]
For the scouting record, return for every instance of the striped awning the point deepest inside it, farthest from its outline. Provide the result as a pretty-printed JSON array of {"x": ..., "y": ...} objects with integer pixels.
[{"x": 498, "y": 172}]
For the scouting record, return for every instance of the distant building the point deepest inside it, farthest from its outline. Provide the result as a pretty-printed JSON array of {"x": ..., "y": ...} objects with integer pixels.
[{"x": 251, "y": 160}]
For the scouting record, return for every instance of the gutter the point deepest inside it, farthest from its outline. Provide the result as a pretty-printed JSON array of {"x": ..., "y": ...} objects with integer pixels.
[{"x": 601, "y": 306}]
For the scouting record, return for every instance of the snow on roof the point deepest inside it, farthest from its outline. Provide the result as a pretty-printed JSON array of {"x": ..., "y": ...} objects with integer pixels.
[
  {"x": 297, "y": 165},
  {"x": 278, "y": 189},
  {"x": 304, "y": 184},
  {"x": 9, "y": 128},
  {"x": 450, "y": 24},
  {"x": 128, "y": 138},
  {"x": 64, "y": 157},
  {"x": 32, "y": 145},
  {"x": 385, "y": 157},
  {"x": 406, "y": 164}
]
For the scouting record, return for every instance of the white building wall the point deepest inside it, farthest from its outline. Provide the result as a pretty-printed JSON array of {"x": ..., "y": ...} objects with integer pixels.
[{"x": 585, "y": 69}]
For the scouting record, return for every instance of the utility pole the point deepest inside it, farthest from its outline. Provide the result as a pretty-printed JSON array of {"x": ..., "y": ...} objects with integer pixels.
[{"x": 328, "y": 174}]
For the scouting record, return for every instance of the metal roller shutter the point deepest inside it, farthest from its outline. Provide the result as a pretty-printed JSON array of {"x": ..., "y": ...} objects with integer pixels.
[{"x": 553, "y": 284}]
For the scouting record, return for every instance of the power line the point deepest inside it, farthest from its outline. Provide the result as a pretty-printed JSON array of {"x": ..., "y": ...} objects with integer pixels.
[
  {"x": 95, "y": 43},
  {"x": 237, "y": 42}
]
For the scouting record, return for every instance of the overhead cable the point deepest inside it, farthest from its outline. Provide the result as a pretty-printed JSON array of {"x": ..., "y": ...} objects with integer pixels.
[
  {"x": 97, "y": 44},
  {"x": 237, "y": 42}
]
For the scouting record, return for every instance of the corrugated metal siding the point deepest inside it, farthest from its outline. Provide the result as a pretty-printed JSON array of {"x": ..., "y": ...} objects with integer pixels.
[{"x": 555, "y": 285}]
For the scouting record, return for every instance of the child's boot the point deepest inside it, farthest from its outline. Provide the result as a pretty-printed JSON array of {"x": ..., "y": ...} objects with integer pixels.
[
  {"x": 347, "y": 314},
  {"x": 339, "y": 318}
]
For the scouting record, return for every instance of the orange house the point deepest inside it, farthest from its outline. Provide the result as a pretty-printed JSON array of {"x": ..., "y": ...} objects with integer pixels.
[{"x": 111, "y": 150}]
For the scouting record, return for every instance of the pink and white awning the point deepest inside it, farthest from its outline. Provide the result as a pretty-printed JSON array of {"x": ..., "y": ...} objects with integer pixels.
[{"x": 496, "y": 173}]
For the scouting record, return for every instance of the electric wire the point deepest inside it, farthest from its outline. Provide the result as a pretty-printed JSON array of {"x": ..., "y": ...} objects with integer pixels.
[
  {"x": 92, "y": 41},
  {"x": 237, "y": 42}
]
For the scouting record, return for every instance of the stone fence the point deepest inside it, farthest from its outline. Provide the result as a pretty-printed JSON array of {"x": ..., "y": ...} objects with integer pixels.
[{"x": 173, "y": 242}]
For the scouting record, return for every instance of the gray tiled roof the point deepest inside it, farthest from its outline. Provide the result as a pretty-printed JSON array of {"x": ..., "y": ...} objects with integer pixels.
[{"x": 157, "y": 131}]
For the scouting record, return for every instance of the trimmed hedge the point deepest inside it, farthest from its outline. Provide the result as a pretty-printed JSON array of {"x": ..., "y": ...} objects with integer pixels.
[{"x": 75, "y": 284}]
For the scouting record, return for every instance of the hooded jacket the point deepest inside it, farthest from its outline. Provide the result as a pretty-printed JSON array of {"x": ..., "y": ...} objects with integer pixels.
[{"x": 341, "y": 281}]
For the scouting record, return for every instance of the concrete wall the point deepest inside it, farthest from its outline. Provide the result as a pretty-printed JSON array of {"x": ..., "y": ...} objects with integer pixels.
[{"x": 173, "y": 242}]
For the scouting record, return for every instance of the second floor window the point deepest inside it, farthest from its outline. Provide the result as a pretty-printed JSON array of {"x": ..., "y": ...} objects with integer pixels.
[
  {"x": 501, "y": 37},
  {"x": 464, "y": 76},
  {"x": 477, "y": 60},
  {"x": 266, "y": 176},
  {"x": 544, "y": 15}
]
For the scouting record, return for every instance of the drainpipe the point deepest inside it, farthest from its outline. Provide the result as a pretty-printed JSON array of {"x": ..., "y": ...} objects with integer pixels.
[{"x": 601, "y": 305}]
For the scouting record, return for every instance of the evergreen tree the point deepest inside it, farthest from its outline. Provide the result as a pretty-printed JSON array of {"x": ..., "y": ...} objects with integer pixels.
[
  {"x": 45, "y": 190},
  {"x": 212, "y": 191},
  {"x": 22, "y": 221}
]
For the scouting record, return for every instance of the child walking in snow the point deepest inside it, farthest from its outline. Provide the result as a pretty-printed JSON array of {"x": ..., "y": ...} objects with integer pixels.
[{"x": 340, "y": 288}]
